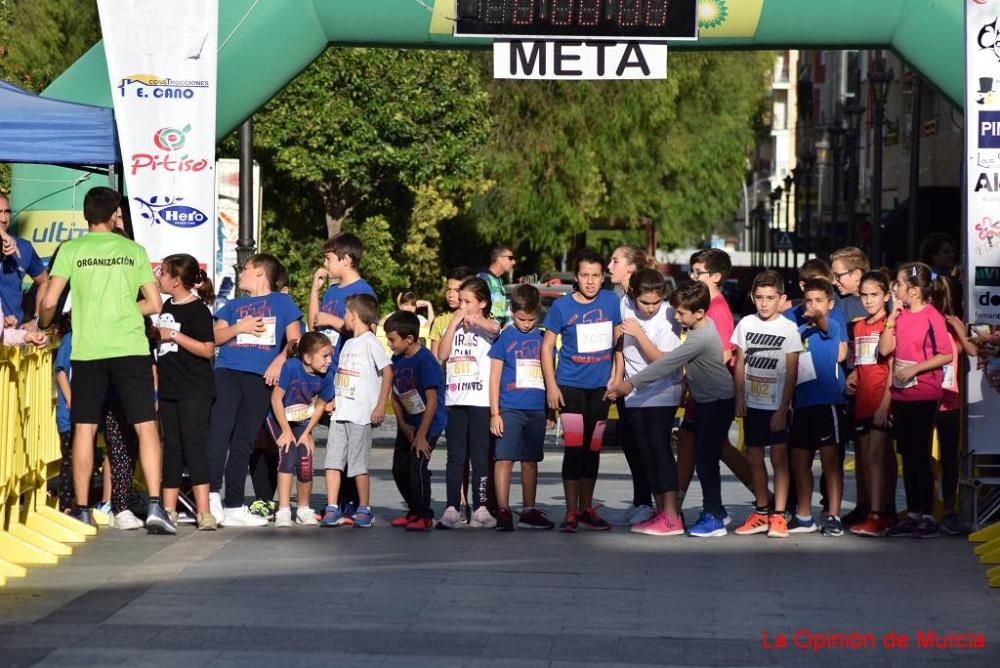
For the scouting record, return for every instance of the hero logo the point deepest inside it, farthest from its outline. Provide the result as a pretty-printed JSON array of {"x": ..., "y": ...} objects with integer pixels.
[
  {"x": 152, "y": 87},
  {"x": 170, "y": 140},
  {"x": 168, "y": 210}
]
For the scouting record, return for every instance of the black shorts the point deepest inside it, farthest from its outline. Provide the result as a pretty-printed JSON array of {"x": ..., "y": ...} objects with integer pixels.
[
  {"x": 815, "y": 427},
  {"x": 757, "y": 429},
  {"x": 866, "y": 425},
  {"x": 131, "y": 376}
]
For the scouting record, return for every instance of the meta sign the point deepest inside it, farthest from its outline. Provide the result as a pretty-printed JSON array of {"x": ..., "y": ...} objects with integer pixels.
[{"x": 579, "y": 39}]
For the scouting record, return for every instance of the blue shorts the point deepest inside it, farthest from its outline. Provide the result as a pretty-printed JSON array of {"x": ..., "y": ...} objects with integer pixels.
[
  {"x": 757, "y": 429},
  {"x": 523, "y": 437}
]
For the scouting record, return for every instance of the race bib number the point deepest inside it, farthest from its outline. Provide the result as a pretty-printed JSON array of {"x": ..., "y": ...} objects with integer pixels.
[
  {"x": 299, "y": 412},
  {"x": 594, "y": 337},
  {"x": 529, "y": 375},
  {"x": 807, "y": 370},
  {"x": 762, "y": 391},
  {"x": 866, "y": 350},
  {"x": 896, "y": 366},
  {"x": 346, "y": 383},
  {"x": 333, "y": 335},
  {"x": 413, "y": 404},
  {"x": 948, "y": 379},
  {"x": 463, "y": 367},
  {"x": 265, "y": 338}
]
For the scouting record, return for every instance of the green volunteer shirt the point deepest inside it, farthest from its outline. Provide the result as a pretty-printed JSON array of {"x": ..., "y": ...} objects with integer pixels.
[{"x": 105, "y": 272}]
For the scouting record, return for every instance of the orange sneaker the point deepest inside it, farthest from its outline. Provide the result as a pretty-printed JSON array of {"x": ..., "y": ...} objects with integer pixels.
[
  {"x": 756, "y": 523},
  {"x": 777, "y": 526},
  {"x": 873, "y": 526}
]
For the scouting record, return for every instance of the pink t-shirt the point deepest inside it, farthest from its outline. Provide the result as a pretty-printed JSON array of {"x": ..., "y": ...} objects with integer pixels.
[
  {"x": 722, "y": 318},
  {"x": 919, "y": 337}
]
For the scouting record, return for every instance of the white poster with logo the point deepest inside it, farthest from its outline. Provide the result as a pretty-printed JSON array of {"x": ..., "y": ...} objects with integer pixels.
[
  {"x": 227, "y": 213},
  {"x": 982, "y": 206},
  {"x": 162, "y": 63}
]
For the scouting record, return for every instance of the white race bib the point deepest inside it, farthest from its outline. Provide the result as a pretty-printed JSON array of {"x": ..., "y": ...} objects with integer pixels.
[
  {"x": 896, "y": 366},
  {"x": 346, "y": 383},
  {"x": 807, "y": 371},
  {"x": 866, "y": 350},
  {"x": 948, "y": 380},
  {"x": 413, "y": 404},
  {"x": 529, "y": 375},
  {"x": 594, "y": 337},
  {"x": 462, "y": 368},
  {"x": 266, "y": 338},
  {"x": 333, "y": 335},
  {"x": 299, "y": 412},
  {"x": 761, "y": 390}
]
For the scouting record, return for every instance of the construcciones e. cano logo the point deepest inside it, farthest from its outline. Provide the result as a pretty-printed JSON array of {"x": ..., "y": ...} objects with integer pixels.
[{"x": 153, "y": 87}]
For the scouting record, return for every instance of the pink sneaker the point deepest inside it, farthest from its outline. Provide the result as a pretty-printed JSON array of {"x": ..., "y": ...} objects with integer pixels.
[{"x": 659, "y": 524}]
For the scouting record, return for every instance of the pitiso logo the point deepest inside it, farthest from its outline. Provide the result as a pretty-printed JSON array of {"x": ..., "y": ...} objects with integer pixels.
[
  {"x": 169, "y": 210},
  {"x": 170, "y": 140},
  {"x": 153, "y": 87}
]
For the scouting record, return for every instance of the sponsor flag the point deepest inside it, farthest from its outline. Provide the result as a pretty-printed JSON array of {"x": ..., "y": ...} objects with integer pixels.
[{"x": 163, "y": 73}]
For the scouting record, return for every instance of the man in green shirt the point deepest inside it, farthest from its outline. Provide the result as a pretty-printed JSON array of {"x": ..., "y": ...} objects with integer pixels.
[
  {"x": 106, "y": 272},
  {"x": 501, "y": 263}
]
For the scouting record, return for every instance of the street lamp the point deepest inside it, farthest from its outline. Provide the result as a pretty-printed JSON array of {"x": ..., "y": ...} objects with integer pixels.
[
  {"x": 837, "y": 133},
  {"x": 760, "y": 215},
  {"x": 771, "y": 247},
  {"x": 853, "y": 112},
  {"x": 806, "y": 163},
  {"x": 789, "y": 181},
  {"x": 879, "y": 79}
]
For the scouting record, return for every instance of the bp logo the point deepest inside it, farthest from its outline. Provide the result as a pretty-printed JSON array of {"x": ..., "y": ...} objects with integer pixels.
[
  {"x": 161, "y": 209},
  {"x": 171, "y": 139},
  {"x": 712, "y": 13}
]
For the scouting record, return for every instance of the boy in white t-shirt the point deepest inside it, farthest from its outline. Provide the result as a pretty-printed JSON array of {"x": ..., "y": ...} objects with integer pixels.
[
  {"x": 767, "y": 356},
  {"x": 363, "y": 383}
]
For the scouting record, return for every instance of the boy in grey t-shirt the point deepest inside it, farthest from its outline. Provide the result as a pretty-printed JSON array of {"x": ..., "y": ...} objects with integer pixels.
[{"x": 711, "y": 385}]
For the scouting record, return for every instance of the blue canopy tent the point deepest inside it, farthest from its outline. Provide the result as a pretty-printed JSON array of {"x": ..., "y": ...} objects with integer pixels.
[{"x": 41, "y": 130}]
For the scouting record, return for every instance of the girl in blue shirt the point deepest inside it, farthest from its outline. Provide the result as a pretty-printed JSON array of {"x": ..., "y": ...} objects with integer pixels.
[
  {"x": 249, "y": 332},
  {"x": 587, "y": 320}
]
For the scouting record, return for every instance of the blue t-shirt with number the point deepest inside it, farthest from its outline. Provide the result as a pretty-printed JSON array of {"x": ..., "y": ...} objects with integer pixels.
[
  {"x": 521, "y": 384},
  {"x": 248, "y": 353},
  {"x": 417, "y": 374},
  {"x": 821, "y": 352},
  {"x": 587, "y": 332},
  {"x": 13, "y": 270},
  {"x": 333, "y": 303}
]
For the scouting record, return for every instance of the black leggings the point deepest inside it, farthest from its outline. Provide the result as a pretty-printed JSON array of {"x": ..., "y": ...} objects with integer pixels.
[
  {"x": 582, "y": 454},
  {"x": 264, "y": 468},
  {"x": 468, "y": 435},
  {"x": 649, "y": 430},
  {"x": 123, "y": 450},
  {"x": 185, "y": 427},
  {"x": 628, "y": 440},
  {"x": 913, "y": 422},
  {"x": 66, "y": 470},
  {"x": 948, "y": 429},
  {"x": 241, "y": 403},
  {"x": 711, "y": 429},
  {"x": 412, "y": 476}
]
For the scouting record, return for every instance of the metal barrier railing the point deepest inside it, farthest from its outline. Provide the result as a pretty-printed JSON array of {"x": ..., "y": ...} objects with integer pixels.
[{"x": 31, "y": 531}]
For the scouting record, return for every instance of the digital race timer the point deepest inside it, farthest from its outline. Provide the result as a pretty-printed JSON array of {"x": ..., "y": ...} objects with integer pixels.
[{"x": 656, "y": 20}]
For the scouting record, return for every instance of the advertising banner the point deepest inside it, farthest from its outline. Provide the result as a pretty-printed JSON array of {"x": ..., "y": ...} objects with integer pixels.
[
  {"x": 982, "y": 232},
  {"x": 162, "y": 65}
]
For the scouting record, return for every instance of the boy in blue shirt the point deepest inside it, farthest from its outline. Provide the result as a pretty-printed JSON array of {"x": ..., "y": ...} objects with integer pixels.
[
  {"x": 517, "y": 409},
  {"x": 418, "y": 402},
  {"x": 819, "y": 395}
]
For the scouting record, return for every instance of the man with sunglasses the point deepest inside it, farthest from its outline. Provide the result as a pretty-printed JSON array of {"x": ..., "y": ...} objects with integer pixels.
[
  {"x": 501, "y": 263},
  {"x": 24, "y": 261}
]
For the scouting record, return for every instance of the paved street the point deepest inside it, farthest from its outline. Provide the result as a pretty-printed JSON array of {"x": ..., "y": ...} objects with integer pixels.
[{"x": 310, "y": 597}]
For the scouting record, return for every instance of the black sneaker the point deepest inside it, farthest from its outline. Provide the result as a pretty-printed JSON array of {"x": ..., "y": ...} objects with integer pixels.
[
  {"x": 570, "y": 523},
  {"x": 856, "y": 516},
  {"x": 926, "y": 528},
  {"x": 953, "y": 526},
  {"x": 535, "y": 519},
  {"x": 83, "y": 515},
  {"x": 904, "y": 529},
  {"x": 505, "y": 520},
  {"x": 832, "y": 526},
  {"x": 590, "y": 519}
]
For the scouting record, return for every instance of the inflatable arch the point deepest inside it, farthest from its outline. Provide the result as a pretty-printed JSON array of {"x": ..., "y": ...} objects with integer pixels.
[{"x": 265, "y": 43}]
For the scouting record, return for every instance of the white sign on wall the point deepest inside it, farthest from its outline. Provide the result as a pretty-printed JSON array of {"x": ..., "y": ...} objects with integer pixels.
[
  {"x": 579, "y": 60},
  {"x": 163, "y": 71}
]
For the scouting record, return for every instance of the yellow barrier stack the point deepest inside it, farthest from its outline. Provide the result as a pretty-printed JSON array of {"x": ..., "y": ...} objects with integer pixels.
[
  {"x": 988, "y": 550},
  {"x": 31, "y": 531}
]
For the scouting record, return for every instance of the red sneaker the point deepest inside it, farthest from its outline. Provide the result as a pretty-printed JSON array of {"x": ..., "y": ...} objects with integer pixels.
[
  {"x": 420, "y": 524},
  {"x": 403, "y": 521},
  {"x": 873, "y": 526}
]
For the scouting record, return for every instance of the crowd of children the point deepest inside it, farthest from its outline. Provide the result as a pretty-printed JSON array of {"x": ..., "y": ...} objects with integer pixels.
[{"x": 863, "y": 357}]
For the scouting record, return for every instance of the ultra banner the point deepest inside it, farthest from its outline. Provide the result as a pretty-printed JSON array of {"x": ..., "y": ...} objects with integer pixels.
[
  {"x": 162, "y": 62},
  {"x": 982, "y": 251}
]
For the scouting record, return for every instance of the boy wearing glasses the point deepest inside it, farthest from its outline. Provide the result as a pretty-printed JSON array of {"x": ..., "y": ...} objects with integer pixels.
[{"x": 501, "y": 264}]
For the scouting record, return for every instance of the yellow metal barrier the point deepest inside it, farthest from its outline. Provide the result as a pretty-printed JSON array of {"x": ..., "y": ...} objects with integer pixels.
[{"x": 31, "y": 531}]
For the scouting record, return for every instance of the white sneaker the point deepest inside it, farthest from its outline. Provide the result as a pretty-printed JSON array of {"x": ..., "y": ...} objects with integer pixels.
[
  {"x": 481, "y": 519},
  {"x": 126, "y": 521},
  {"x": 215, "y": 507},
  {"x": 641, "y": 514},
  {"x": 283, "y": 518},
  {"x": 450, "y": 519},
  {"x": 306, "y": 516},
  {"x": 242, "y": 517}
]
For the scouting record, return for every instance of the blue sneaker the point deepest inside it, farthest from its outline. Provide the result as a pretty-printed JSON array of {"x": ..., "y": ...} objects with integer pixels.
[
  {"x": 349, "y": 509},
  {"x": 332, "y": 517},
  {"x": 364, "y": 518},
  {"x": 797, "y": 525},
  {"x": 724, "y": 516},
  {"x": 83, "y": 515},
  {"x": 708, "y": 526}
]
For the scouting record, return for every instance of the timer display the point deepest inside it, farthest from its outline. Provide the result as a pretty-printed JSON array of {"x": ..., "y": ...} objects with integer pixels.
[{"x": 655, "y": 20}]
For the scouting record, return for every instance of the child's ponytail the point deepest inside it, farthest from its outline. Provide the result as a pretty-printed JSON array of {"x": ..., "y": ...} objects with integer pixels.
[
  {"x": 203, "y": 286},
  {"x": 185, "y": 267},
  {"x": 933, "y": 287},
  {"x": 307, "y": 345}
]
